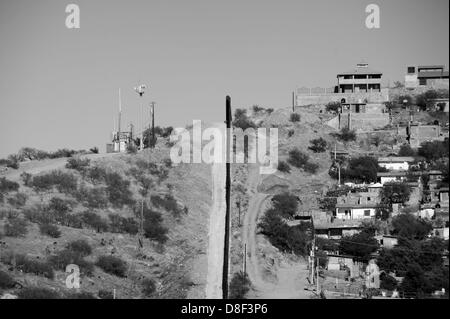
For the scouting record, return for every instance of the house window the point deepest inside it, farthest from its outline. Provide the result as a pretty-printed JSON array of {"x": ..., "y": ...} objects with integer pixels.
[
  {"x": 422, "y": 81},
  {"x": 411, "y": 69},
  {"x": 367, "y": 212},
  {"x": 368, "y": 199}
]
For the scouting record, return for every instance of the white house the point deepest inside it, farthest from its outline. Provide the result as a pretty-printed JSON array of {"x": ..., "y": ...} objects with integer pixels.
[
  {"x": 357, "y": 206},
  {"x": 395, "y": 163}
]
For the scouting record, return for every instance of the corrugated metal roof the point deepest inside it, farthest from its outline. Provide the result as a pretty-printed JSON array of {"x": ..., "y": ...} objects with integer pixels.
[{"x": 396, "y": 159}]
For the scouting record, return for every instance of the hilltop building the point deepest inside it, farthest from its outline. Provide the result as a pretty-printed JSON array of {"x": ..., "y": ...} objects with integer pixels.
[
  {"x": 360, "y": 79},
  {"x": 427, "y": 75}
]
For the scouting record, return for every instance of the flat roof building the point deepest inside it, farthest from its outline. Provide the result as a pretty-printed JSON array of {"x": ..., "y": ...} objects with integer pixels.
[{"x": 360, "y": 79}]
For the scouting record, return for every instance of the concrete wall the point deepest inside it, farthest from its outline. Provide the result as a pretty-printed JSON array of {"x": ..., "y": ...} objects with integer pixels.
[
  {"x": 395, "y": 166},
  {"x": 371, "y": 97}
]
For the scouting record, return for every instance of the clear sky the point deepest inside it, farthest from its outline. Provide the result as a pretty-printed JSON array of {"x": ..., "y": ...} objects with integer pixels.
[{"x": 59, "y": 86}]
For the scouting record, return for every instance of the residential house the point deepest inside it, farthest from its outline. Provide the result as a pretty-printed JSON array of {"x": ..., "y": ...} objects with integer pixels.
[
  {"x": 396, "y": 163},
  {"x": 426, "y": 75},
  {"x": 356, "y": 205},
  {"x": 387, "y": 241},
  {"x": 336, "y": 228}
]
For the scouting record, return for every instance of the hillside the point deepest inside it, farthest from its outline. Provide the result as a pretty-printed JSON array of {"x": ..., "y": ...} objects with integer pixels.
[{"x": 98, "y": 201}]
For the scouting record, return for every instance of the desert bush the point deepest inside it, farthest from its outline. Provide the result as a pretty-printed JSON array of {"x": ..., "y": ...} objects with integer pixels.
[
  {"x": 74, "y": 221},
  {"x": 37, "y": 293},
  {"x": 286, "y": 204},
  {"x": 346, "y": 135},
  {"x": 80, "y": 246},
  {"x": 118, "y": 190},
  {"x": 59, "y": 208},
  {"x": 311, "y": 167},
  {"x": 94, "y": 150},
  {"x": 284, "y": 167},
  {"x": 12, "y": 162},
  {"x": 6, "y": 281},
  {"x": 16, "y": 227},
  {"x": 66, "y": 257},
  {"x": 131, "y": 148},
  {"x": 153, "y": 227},
  {"x": 50, "y": 230},
  {"x": 64, "y": 182},
  {"x": 119, "y": 224},
  {"x": 18, "y": 200},
  {"x": 92, "y": 197},
  {"x": 297, "y": 158},
  {"x": 94, "y": 221},
  {"x": 295, "y": 117},
  {"x": 281, "y": 235},
  {"x": 291, "y": 133},
  {"x": 26, "y": 178},
  {"x": 257, "y": 108},
  {"x": 97, "y": 174},
  {"x": 241, "y": 120},
  {"x": 38, "y": 215},
  {"x": 63, "y": 153},
  {"x": 78, "y": 164},
  {"x": 105, "y": 294},
  {"x": 168, "y": 162},
  {"x": 112, "y": 265},
  {"x": 28, "y": 265},
  {"x": 239, "y": 286},
  {"x": 148, "y": 287},
  {"x": 333, "y": 107},
  {"x": 301, "y": 160},
  {"x": 406, "y": 150},
  {"x": 168, "y": 202},
  {"x": 7, "y": 186},
  {"x": 318, "y": 145}
]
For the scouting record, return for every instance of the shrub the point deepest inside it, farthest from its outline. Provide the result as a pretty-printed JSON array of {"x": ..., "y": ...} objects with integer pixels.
[
  {"x": 112, "y": 265},
  {"x": 80, "y": 246},
  {"x": 318, "y": 145},
  {"x": 19, "y": 200},
  {"x": 333, "y": 107},
  {"x": 291, "y": 133},
  {"x": 295, "y": 117},
  {"x": 92, "y": 197},
  {"x": 6, "y": 281},
  {"x": 26, "y": 178},
  {"x": 59, "y": 208},
  {"x": 241, "y": 120},
  {"x": 131, "y": 148},
  {"x": 287, "y": 239},
  {"x": 239, "y": 285},
  {"x": 16, "y": 227},
  {"x": 64, "y": 182},
  {"x": 105, "y": 294},
  {"x": 297, "y": 158},
  {"x": 286, "y": 204},
  {"x": 407, "y": 98},
  {"x": 388, "y": 282},
  {"x": 311, "y": 167},
  {"x": 94, "y": 221},
  {"x": 257, "y": 108},
  {"x": 148, "y": 287},
  {"x": 168, "y": 202},
  {"x": 94, "y": 150},
  {"x": 37, "y": 293},
  {"x": 406, "y": 150},
  {"x": 346, "y": 135},
  {"x": 12, "y": 162},
  {"x": 7, "y": 186},
  {"x": 74, "y": 221},
  {"x": 50, "y": 230},
  {"x": 360, "y": 245},
  {"x": 97, "y": 174},
  {"x": 121, "y": 224},
  {"x": 31, "y": 266},
  {"x": 284, "y": 167},
  {"x": 361, "y": 169},
  {"x": 118, "y": 190},
  {"x": 78, "y": 164},
  {"x": 153, "y": 227},
  {"x": 66, "y": 257},
  {"x": 38, "y": 215}
]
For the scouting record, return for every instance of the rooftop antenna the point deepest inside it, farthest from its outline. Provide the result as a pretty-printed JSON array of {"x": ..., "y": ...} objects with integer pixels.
[{"x": 140, "y": 89}]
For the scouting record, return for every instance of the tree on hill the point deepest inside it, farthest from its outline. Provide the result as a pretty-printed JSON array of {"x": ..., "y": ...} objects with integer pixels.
[
  {"x": 360, "y": 245},
  {"x": 409, "y": 226},
  {"x": 406, "y": 150},
  {"x": 242, "y": 120},
  {"x": 361, "y": 169},
  {"x": 435, "y": 150},
  {"x": 286, "y": 204}
]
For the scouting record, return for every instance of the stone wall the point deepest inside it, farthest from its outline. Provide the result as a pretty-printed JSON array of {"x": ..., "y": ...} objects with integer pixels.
[{"x": 314, "y": 99}]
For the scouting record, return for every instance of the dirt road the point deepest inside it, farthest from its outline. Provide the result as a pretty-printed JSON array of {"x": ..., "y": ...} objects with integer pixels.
[
  {"x": 216, "y": 233},
  {"x": 291, "y": 273}
]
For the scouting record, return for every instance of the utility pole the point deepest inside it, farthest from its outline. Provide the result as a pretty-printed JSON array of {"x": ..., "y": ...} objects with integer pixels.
[
  {"x": 227, "y": 198},
  {"x": 152, "y": 145},
  {"x": 120, "y": 118},
  {"x": 238, "y": 204},
  {"x": 317, "y": 275},
  {"x": 140, "y": 89},
  {"x": 245, "y": 259}
]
